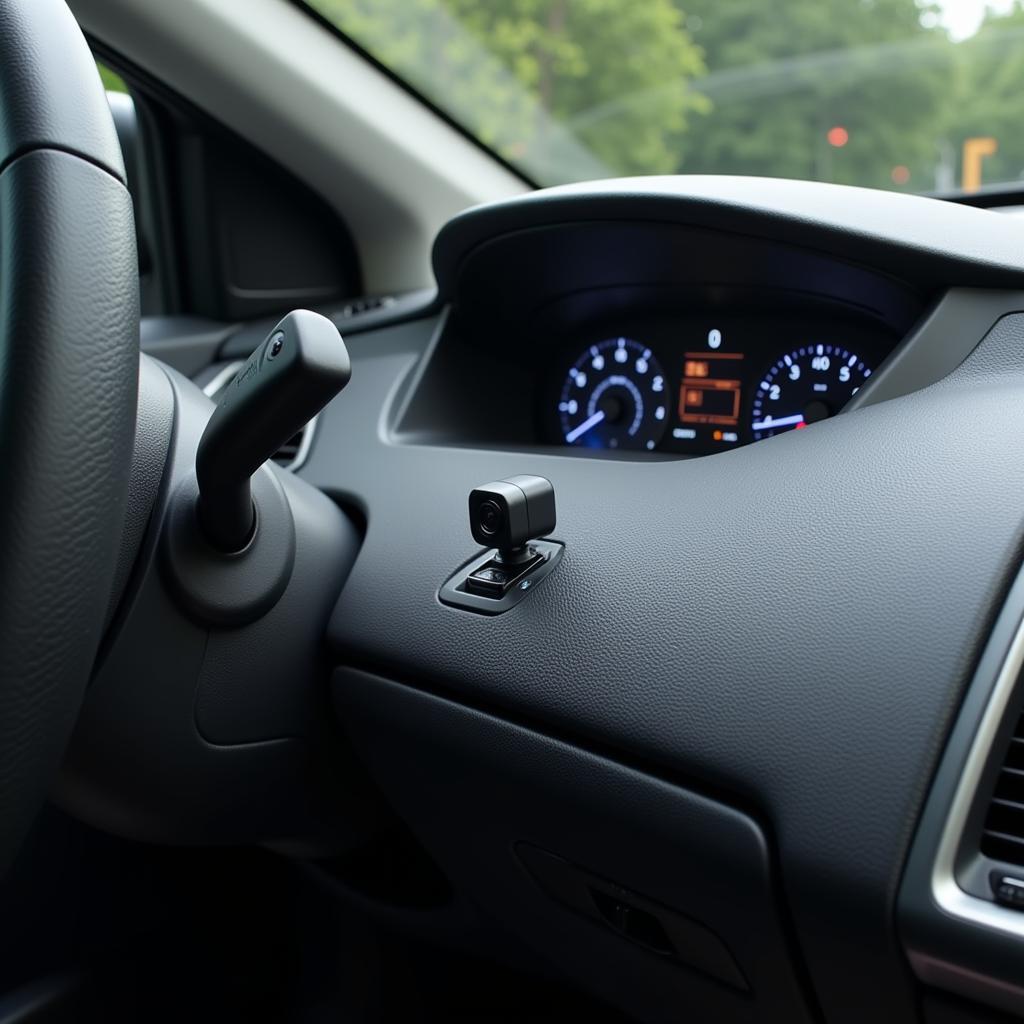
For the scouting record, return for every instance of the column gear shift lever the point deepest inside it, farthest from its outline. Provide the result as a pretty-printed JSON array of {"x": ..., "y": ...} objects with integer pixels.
[{"x": 300, "y": 367}]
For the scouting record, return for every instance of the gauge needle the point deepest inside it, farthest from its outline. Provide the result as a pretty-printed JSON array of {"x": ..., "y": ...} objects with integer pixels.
[
  {"x": 768, "y": 423},
  {"x": 578, "y": 432}
]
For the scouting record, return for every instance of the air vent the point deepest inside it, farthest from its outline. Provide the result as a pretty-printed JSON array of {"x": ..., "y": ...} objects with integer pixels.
[
  {"x": 289, "y": 451},
  {"x": 1003, "y": 835},
  {"x": 290, "y": 455},
  {"x": 369, "y": 304}
]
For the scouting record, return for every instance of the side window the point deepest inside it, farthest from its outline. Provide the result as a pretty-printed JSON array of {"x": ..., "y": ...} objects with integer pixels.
[
  {"x": 112, "y": 81},
  {"x": 223, "y": 232},
  {"x": 122, "y": 107}
]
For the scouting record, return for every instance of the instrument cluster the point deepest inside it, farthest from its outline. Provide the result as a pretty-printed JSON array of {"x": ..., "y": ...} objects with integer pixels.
[{"x": 701, "y": 384}]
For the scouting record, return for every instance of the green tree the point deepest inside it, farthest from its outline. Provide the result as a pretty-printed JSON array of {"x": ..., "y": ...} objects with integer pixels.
[
  {"x": 987, "y": 95},
  {"x": 780, "y": 75},
  {"x": 570, "y": 89},
  {"x": 518, "y": 72},
  {"x": 112, "y": 81}
]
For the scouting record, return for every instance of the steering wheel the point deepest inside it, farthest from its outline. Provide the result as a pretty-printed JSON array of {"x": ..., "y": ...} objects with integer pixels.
[{"x": 68, "y": 382}]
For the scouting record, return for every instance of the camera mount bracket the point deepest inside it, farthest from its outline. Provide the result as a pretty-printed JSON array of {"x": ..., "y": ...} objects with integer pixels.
[
  {"x": 507, "y": 517},
  {"x": 456, "y": 592}
]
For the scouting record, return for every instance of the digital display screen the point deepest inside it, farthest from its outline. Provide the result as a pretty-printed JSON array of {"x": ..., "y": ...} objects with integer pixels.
[{"x": 710, "y": 397}]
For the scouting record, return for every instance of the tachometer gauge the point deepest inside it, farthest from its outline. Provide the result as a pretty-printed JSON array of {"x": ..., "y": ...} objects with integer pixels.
[
  {"x": 614, "y": 397},
  {"x": 808, "y": 384}
]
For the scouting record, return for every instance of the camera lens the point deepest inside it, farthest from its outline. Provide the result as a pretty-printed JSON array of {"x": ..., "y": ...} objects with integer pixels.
[{"x": 490, "y": 516}]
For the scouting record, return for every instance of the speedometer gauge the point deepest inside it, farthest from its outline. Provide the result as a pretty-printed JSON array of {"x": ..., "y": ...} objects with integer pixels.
[
  {"x": 806, "y": 385},
  {"x": 614, "y": 397}
]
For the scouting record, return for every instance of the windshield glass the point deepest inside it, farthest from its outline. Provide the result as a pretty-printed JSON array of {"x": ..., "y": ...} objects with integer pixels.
[{"x": 893, "y": 94}]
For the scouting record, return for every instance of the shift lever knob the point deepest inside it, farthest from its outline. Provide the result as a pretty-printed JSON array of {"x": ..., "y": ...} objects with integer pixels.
[{"x": 300, "y": 367}]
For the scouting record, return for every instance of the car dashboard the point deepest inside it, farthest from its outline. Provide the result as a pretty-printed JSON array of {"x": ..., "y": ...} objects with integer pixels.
[
  {"x": 780, "y": 421},
  {"x": 637, "y": 339}
]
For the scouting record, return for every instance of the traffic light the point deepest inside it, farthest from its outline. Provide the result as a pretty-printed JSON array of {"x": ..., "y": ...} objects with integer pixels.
[{"x": 838, "y": 136}]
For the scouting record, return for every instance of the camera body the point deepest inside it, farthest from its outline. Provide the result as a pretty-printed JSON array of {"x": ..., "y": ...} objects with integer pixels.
[{"x": 508, "y": 514}]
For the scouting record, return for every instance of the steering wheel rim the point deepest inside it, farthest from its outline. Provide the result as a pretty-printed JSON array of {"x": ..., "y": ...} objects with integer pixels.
[{"x": 68, "y": 384}]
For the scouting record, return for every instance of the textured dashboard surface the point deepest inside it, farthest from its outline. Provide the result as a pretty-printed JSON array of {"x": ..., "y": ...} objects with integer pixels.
[
  {"x": 708, "y": 861},
  {"x": 793, "y": 622}
]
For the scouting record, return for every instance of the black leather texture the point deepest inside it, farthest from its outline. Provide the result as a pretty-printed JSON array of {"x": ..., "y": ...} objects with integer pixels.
[
  {"x": 68, "y": 382},
  {"x": 793, "y": 622},
  {"x": 153, "y": 431},
  {"x": 51, "y": 96}
]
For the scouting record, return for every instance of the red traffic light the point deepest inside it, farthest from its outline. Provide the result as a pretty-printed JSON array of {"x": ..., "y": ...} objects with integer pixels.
[{"x": 838, "y": 136}]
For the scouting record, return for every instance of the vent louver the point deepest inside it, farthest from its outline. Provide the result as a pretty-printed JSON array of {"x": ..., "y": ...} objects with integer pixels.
[
  {"x": 289, "y": 451},
  {"x": 1003, "y": 834}
]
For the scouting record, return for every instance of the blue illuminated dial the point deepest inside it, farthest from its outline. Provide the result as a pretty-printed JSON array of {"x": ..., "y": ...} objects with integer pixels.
[
  {"x": 808, "y": 384},
  {"x": 614, "y": 396}
]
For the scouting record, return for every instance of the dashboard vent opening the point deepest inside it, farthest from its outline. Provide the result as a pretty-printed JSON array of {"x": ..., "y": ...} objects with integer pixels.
[
  {"x": 289, "y": 451},
  {"x": 1003, "y": 835}
]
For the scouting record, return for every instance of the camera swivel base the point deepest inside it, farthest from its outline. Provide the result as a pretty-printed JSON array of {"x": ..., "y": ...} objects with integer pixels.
[
  {"x": 512, "y": 557},
  {"x": 489, "y": 586},
  {"x": 498, "y": 576}
]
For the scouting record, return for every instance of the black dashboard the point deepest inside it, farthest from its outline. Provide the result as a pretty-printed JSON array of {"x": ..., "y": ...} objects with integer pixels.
[
  {"x": 787, "y": 627},
  {"x": 745, "y": 696},
  {"x": 652, "y": 330}
]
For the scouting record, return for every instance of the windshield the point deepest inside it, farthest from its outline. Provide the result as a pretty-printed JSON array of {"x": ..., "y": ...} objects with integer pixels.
[{"x": 886, "y": 93}]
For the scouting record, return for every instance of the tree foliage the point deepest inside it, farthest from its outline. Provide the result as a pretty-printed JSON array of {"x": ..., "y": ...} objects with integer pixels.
[
  {"x": 516, "y": 72},
  {"x": 987, "y": 94},
  {"x": 569, "y": 89},
  {"x": 112, "y": 81},
  {"x": 785, "y": 73}
]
